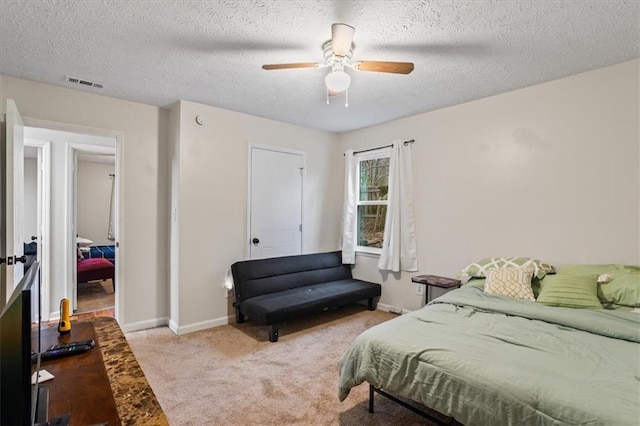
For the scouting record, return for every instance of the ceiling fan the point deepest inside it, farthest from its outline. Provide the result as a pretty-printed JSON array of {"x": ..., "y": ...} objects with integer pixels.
[{"x": 338, "y": 52}]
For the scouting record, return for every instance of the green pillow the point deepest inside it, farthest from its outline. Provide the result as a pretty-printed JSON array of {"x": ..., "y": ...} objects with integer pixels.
[
  {"x": 583, "y": 269},
  {"x": 570, "y": 291},
  {"x": 623, "y": 290},
  {"x": 476, "y": 282}
]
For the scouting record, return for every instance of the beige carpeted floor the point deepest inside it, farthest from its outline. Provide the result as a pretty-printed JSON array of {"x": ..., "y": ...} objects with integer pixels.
[
  {"x": 233, "y": 375},
  {"x": 95, "y": 296}
]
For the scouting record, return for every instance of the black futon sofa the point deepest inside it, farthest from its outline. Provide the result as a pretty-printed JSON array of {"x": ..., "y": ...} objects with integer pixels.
[{"x": 273, "y": 290}]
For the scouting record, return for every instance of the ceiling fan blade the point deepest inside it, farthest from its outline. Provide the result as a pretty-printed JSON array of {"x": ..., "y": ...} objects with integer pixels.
[
  {"x": 383, "y": 66},
  {"x": 288, "y": 66},
  {"x": 341, "y": 38}
]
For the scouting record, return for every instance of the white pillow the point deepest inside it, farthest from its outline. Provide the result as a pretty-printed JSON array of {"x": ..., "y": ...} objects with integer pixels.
[{"x": 83, "y": 242}]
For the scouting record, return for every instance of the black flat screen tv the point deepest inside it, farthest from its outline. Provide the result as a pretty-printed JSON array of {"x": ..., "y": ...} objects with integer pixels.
[{"x": 19, "y": 339}]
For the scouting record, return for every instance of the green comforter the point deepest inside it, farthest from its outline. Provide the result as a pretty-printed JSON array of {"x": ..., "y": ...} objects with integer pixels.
[{"x": 497, "y": 360}]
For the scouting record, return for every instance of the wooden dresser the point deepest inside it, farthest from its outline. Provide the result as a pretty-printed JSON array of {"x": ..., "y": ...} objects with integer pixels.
[{"x": 102, "y": 385}]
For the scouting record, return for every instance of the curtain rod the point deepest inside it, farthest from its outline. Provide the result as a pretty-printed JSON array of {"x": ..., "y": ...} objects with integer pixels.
[{"x": 405, "y": 143}]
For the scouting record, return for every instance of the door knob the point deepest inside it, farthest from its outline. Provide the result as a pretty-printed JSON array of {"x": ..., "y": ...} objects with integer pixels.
[
  {"x": 255, "y": 241},
  {"x": 33, "y": 238},
  {"x": 12, "y": 260}
]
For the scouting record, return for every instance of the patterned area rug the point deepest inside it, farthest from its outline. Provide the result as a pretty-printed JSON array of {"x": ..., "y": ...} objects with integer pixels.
[{"x": 95, "y": 296}]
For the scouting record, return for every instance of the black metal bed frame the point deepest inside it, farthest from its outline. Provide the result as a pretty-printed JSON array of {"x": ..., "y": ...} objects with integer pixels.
[{"x": 373, "y": 390}]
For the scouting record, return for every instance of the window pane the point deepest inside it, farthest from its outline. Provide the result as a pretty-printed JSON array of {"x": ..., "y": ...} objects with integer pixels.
[
  {"x": 374, "y": 179},
  {"x": 371, "y": 225}
]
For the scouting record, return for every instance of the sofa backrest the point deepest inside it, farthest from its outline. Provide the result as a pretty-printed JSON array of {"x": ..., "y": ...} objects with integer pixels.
[{"x": 262, "y": 276}]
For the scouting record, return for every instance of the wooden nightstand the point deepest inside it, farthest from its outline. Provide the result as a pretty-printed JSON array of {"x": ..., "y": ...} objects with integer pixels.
[{"x": 435, "y": 281}]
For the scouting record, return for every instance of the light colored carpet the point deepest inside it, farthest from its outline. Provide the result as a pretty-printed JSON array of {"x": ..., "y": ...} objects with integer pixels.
[
  {"x": 95, "y": 296},
  {"x": 233, "y": 375}
]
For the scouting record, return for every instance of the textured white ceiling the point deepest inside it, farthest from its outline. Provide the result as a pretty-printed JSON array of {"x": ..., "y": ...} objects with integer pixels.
[{"x": 157, "y": 52}]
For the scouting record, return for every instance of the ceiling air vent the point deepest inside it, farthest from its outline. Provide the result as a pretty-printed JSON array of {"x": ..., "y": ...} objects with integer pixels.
[{"x": 87, "y": 83}]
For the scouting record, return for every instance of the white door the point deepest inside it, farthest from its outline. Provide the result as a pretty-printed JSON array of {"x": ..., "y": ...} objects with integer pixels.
[
  {"x": 74, "y": 232},
  {"x": 275, "y": 202},
  {"x": 11, "y": 271},
  {"x": 40, "y": 208}
]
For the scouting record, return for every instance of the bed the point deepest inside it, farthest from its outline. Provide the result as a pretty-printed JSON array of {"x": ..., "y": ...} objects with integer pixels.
[
  {"x": 107, "y": 252},
  {"x": 95, "y": 263},
  {"x": 492, "y": 359}
]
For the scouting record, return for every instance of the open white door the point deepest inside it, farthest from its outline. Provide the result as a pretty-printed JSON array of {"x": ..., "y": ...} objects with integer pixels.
[
  {"x": 275, "y": 202},
  {"x": 74, "y": 231},
  {"x": 12, "y": 248}
]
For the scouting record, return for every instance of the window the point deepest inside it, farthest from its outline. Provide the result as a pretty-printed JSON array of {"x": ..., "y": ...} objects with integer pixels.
[{"x": 373, "y": 188}]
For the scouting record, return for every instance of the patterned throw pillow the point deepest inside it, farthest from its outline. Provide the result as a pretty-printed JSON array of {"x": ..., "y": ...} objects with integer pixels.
[
  {"x": 479, "y": 269},
  {"x": 512, "y": 282}
]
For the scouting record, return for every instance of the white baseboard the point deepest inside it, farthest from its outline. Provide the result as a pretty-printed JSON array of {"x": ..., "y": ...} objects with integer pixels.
[
  {"x": 173, "y": 326},
  {"x": 392, "y": 309},
  {"x": 143, "y": 325},
  {"x": 184, "y": 329}
]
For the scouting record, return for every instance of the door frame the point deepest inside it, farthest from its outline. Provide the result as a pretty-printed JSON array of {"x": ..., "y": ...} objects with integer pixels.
[
  {"x": 71, "y": 166},
  {"x": 44, "y": 199},
  {"x": 12, "y": 241},
  {"x": 120, "y": 215},
  {"x": 283, "y": 150}
]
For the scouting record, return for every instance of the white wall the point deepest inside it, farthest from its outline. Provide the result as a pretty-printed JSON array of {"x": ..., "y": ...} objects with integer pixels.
[
  {"x": 142, "y": 286},
  {"x": 30, "y": 199},
  {"x": 211, "y": 164},
  {"x": 94, "y": 201},
  {"x": 550, "y": 171}
]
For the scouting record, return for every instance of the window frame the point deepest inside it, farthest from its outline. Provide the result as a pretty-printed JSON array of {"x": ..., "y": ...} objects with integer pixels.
[{"x": 363, "y": 156}]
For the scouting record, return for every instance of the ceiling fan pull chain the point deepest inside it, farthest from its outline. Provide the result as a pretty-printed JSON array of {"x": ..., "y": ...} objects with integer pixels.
[
  {"x": 346, "y": 98},
  {"x": 327, "y": 96}
]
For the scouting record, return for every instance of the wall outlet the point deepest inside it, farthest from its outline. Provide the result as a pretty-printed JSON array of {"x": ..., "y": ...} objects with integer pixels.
[
  {"x": 395, "y": 309},
  {"x": 419, "y": 289}
]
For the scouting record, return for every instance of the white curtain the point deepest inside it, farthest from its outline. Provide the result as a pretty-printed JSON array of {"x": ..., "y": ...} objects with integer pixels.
[
  {"x": 399, "y": 246},
  {"x": 111, "y": 234},
  {"x": 349, "y": 208}
]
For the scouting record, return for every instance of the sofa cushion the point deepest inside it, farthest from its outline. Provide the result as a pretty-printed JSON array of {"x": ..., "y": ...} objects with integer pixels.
[
  {"x": 276, "y": 307},
  {"x": 263, "y": 276}
]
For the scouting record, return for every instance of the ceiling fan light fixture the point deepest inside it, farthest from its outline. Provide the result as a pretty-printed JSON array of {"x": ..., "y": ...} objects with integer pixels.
[
  {"x": 337, "y": 81},
  {"x": 341, "y": 38},
  {"x": 338, "y": 52}
]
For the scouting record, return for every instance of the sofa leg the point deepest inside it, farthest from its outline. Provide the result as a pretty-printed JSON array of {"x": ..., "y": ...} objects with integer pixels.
[
  {"x": 371, "y": 306},
  {"x": 239, "y": 316},
  {"x": 273, "y": 332}
]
